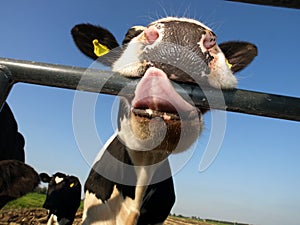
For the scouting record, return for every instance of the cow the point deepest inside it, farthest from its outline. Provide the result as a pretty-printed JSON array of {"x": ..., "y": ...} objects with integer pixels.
[
  {"x": 16, "y": 177},
  {"x": 63, "y": 197},
  {"x": 11, "y": 141},
  {"x": 16, "y": 180},
  {"x": 130, "y": 182}
]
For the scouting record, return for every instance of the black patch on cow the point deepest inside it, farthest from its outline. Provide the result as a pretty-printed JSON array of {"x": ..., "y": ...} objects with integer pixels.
[
  {"x": 131, "y": 33},
  {"x": 11, "y": 141},
  {"x": 159, "y": 198},
  {"x": 101, "y": 186}
]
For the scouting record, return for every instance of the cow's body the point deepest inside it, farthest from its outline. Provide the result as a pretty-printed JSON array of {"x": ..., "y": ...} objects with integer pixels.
[
  {"x": 131, "y": 181},
  {"x": 16, "y": 178},
  {"x": 118, "y": 197},
  {"x": 11, "y": 141},
  {"x": 63, "y": 198}
]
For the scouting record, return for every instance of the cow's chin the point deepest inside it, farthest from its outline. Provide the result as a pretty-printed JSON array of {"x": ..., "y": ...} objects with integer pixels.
[{"x": 165, "y": 132}]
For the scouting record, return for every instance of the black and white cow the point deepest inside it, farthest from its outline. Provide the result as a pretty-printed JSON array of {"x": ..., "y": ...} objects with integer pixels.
[
  {"x": 63, "y": 197},
  {"x": 157, "y": 121},
  {"x": 16, "y": 178}
]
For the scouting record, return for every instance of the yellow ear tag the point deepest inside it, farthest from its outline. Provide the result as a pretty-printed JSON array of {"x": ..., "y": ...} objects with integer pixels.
[
  {"x": 228, "y": 64},
  {"x": 72, "y": 185},
  {"x": 99, "y": 49}
]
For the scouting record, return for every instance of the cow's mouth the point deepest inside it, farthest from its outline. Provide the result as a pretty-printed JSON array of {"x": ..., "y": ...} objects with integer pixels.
[{"x": 155, "y": 96}]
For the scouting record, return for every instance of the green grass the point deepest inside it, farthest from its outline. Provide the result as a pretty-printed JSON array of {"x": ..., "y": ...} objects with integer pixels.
[{"x": 31, "y": 200}]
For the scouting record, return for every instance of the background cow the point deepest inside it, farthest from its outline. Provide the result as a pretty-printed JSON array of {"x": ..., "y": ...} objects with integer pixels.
[
  {"x": 63, "y": 197},
  {"x": 11, "y": 141},
  {"x": 16, "y": 178}
]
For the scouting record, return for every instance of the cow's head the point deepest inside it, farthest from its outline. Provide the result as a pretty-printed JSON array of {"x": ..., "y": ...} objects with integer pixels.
[
  {"x": 169, "y": 49},
  {"x": 63, "y": 196}
]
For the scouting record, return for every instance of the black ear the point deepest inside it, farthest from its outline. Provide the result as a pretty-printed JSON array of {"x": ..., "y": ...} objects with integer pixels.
[
  {"x": 87, "y": 37},
  {"x": 45, "y": 177},
  {"x": 239, "y": 54},
  {"x": 74, "y": 181},
  {"x": 132, "y": 32}
]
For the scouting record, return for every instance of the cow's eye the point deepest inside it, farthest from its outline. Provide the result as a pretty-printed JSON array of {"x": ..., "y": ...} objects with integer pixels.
[{"x": 158, "y": 25}]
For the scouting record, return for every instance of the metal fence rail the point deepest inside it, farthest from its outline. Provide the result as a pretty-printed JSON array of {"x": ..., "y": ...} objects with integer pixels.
[
  {"x": 242, "y": 101},
  {"x": 279, "y": 3}
]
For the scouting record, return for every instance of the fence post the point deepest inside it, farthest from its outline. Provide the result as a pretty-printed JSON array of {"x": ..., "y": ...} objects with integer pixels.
[{"x": 6, "y": 83}]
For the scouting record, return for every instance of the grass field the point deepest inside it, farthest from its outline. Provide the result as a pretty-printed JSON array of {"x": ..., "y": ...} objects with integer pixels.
[
  {"x": 31, "y": 200},
  {"x": 36, "y": 201}
]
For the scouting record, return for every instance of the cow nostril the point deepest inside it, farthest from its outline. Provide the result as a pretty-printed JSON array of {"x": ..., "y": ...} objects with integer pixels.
[
  {"x": 209, "y": 40},
  {"x": 151, "y": 35}
]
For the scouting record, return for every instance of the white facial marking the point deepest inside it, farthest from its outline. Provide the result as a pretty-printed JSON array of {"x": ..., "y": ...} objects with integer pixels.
[
  {"x": 58, "y": 180},
  {"x": 129, "y": 61}
]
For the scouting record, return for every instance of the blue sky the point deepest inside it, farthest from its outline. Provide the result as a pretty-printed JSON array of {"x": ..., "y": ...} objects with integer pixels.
[{"x": 255, "y": 176}]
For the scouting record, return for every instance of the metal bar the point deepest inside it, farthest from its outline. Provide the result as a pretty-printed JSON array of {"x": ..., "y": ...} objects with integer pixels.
[
  {"x": 63, "y": 76},
  {"x": 83, "y": 79},
  {"x": 278, "y": 3}
]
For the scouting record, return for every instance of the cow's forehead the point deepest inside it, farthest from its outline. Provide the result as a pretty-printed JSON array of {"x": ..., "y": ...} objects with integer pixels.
[
  {"x": 187, "y": 20},
  {"x": 58, "y": 179}
]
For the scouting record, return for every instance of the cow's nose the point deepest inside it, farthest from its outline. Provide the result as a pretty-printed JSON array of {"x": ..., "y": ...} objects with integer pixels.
[
  {"x": 209, "y": 40},
  {"x": 151, "y": 35}
]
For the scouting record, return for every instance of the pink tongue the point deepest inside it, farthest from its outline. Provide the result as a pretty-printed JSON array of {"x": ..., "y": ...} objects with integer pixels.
[{"x": 155, "y": 91}]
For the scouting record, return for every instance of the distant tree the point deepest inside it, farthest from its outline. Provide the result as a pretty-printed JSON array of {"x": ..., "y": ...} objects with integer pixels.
[
  {"x": 195, "y": 218},
  {"x": 41, "y": 190}
]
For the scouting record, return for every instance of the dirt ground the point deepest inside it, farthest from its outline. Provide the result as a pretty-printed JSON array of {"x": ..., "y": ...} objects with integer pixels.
[
  {"x": 36, "y": 216},
  {"x": 39, "y": 216}
]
